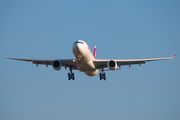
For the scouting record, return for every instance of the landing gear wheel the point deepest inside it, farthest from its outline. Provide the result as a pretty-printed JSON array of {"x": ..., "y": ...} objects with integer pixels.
[
  {"x": 71, "y": 75},
  {"x": 102, "y": 76}
]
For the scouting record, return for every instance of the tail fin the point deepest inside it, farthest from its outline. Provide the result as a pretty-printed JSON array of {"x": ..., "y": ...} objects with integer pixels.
[{"x": 94, "y": 52}]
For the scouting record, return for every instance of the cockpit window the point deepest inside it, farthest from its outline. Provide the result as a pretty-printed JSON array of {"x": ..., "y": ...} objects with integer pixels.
[{"x": 80, "y": 42}]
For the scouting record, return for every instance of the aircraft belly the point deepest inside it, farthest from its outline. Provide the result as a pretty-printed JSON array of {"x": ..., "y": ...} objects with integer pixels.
[
  {"x": 83, "y": 69},
  {"x": 88, "y": 66}
]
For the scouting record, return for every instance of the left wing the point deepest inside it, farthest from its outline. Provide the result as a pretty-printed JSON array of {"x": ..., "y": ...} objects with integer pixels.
[
  {"x": 102, "y": 63},
  {"x": 65, "y": 62}
]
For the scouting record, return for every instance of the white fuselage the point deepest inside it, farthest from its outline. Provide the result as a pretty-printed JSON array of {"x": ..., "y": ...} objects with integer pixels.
[{"x": 85, "y": 57}]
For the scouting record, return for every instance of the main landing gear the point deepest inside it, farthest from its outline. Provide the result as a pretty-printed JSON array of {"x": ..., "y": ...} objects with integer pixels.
[
  {"x": 102, "y": 75},
  {"x": 71, "y": 75}
]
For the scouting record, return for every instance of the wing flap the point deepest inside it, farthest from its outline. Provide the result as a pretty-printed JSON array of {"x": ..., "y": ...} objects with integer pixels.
[{"x": 131, "y": 62}]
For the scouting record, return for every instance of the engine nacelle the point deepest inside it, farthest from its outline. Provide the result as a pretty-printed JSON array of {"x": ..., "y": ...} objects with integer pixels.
[
  {"x": 57, "y": 65},
  {"x": 112, "y": 65}
]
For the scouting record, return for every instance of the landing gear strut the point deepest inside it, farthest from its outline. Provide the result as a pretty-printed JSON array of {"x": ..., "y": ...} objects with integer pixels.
[
  {"x": 79, "y": 59},
  {"x": 71, "y": 75},
  {"x": 102, "y": 75}
]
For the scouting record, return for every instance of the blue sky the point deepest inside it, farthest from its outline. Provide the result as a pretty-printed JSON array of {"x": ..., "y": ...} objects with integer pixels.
[{"x": 120, "y": 29}]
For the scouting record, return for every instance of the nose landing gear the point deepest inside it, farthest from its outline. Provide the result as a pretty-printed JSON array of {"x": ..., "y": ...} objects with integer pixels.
[{"x": 79, "y": 58}]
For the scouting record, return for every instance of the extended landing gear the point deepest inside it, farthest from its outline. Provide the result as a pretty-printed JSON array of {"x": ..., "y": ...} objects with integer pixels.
[
  {"x": 79, "y": 59},
  {"x": 102, "y": 75},
  {"x": 71, "y": 75}
]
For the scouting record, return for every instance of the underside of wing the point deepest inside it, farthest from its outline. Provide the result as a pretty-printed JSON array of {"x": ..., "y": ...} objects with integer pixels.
[
  {"x": 65, "y": 62},
  {"x": 103, "y": 63}
]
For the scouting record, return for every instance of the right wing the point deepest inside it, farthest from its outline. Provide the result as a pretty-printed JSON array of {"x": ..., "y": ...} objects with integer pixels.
[
  {"x": 65, "y": 62},
  {"x": 102, "y": 63}
]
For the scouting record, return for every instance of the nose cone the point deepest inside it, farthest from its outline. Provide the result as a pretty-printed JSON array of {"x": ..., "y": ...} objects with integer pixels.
[{"x": 78, "y": 47}]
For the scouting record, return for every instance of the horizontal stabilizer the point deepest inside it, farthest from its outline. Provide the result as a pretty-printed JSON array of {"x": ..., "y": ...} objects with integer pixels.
[
  {"x": 174, "y": 55},
  {"x": 5, "y": 56}
]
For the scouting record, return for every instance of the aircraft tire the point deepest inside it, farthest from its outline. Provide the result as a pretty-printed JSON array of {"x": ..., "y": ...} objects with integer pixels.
[
  {"x": 100, "y": 75},
  {"x": 69, "y": 76}
]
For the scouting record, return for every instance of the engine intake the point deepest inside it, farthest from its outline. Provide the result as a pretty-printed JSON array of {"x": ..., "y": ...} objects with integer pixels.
[
  {"x": 57, "y": 65},
  {"x": 112, "y": 65}
]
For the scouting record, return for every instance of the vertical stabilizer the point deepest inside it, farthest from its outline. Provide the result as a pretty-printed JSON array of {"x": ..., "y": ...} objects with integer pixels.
[{"x": 94, "y": 52}]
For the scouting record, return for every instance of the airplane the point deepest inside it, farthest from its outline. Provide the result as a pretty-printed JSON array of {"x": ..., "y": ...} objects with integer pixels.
[{"x": 86, "y": 62}]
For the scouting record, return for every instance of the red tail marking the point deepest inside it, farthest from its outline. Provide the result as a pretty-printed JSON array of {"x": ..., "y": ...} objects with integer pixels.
[{"x": 94, "y": 52}]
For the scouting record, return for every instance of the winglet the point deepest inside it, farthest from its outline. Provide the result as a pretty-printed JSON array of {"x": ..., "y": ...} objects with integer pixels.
[
  {"x": 5, "y": 56},
  {"x": 174, "y": 55}
]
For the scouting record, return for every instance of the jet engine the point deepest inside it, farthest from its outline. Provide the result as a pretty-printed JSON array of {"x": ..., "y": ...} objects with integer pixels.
[
  {"x": 112, "y": 65},
  {"x": 57, "y": 65}
]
